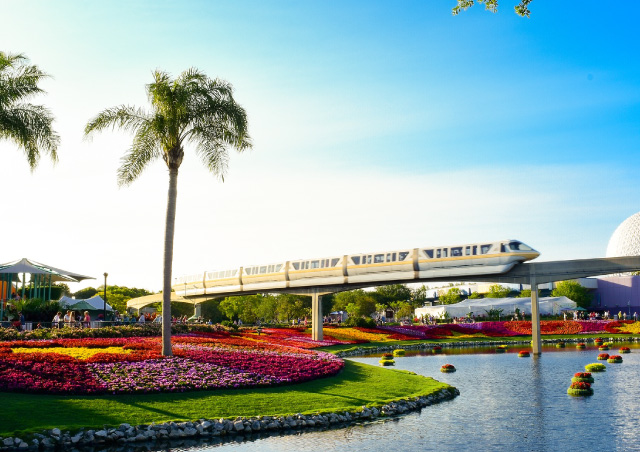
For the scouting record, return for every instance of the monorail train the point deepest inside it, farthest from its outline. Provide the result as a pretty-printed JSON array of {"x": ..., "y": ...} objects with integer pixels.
[{"x": 404, "y": 264}]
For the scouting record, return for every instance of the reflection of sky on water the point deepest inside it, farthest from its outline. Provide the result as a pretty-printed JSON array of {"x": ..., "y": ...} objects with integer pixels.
[{"x": 506, "y": 404}]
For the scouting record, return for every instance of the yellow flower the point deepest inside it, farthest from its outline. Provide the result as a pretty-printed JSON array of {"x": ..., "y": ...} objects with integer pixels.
[{"x": 80, "y": 353}]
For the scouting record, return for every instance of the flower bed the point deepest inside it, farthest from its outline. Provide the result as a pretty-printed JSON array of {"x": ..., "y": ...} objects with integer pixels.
[
  {"x": 581, "y": 345},
  {"x": 134, "y": 365},
  {"x": 399, "y": 352},
  {"x": 603, "y": 356},
  {"x": 583, "y": 377},
  {"x": 624, "y": 350},
  {"x": 523, "y": 354},
  {"x": 615, "y": 359},
  {"x": 595, "y": 367},
  {"x": 447, "y": 368},
  {"x": 580, "y": 388},
  {"x": 603, "y": 348}
]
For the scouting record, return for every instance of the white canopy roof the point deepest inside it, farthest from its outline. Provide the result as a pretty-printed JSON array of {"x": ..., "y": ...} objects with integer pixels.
[
  {"x": 96, "y": 301},
  {"x": 25, "y": 265},
  {"x": 480, "y": 306}
]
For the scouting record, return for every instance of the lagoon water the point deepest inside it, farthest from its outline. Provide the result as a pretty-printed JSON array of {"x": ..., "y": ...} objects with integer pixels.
[{"x": 506, "y": 403}]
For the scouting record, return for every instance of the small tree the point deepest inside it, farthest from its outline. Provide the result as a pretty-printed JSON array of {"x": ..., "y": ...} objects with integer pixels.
[
  {"x": 524, "y": 293},
  {"x": 498, "y": 291},
  {"x": 574, "y": 292},
  {"x": 475, "y": 296},
  {"x": 451, "y": 296}
]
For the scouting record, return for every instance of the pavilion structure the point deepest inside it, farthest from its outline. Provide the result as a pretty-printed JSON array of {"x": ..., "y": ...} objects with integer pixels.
[{"x": 41, "y": 276}]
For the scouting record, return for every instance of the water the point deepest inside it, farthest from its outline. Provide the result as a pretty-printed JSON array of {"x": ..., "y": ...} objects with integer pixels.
[{"x": 506, "y": 404}]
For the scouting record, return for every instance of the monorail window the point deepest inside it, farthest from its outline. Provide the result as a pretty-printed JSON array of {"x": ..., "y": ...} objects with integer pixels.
[
  {"x": 457, "y": 251},
  {"x": 438, "y": 254},
  {"x": 356, "y": 259},
  {"x": 503, "y": 249},
  {"x": 475, "y": 249},
  {"x": 278, "y": 268},
  {"x": 467, "y": 251},
  {"x": 484, "y": 249},
  {"x": 519, "y": 246},
  {"x": 378, "y": 258},
  {"x": 445, "y": 252},
  {"x": 263, "y": 269},
  {"x": 388, "y": 257},
  {"x": 402, "y": 255},
  {"x": 334, "y": 262},
  {"x": 429, "y": 253},
  {"x": 315, "y": 264},
  {"x": 296, "y": 265},
  {"x": 368, "y": 259}
]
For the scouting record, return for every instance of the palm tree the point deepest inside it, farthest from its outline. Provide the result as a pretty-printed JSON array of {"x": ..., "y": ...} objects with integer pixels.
[
  {"x": 26, "y": 124},
  {"x": 190, "y": 109}
]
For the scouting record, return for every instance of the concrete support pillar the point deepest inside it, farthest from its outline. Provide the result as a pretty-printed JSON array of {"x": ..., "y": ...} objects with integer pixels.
[
  {"x": 535, "y": 318},
  {"x": 197, "y": 309},
  {"x": 316, "y": 316}
]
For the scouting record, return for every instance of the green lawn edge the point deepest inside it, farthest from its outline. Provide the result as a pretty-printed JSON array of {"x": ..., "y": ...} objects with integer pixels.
[{"x": 355, "y": 386}]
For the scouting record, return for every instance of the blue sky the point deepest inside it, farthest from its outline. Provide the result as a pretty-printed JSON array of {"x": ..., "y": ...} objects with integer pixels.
[{"x": 376, "y": 125}]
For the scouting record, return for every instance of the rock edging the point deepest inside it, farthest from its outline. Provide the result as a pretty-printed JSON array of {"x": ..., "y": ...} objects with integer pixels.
[{"x": 208, "y": 428}]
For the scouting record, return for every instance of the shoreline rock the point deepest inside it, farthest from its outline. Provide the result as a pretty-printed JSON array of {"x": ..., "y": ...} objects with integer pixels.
[{"x": 204, "y": 429}]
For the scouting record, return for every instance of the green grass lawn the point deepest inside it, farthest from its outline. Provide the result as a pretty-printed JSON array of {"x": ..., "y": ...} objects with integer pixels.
[{"x": 357, "y": 385}]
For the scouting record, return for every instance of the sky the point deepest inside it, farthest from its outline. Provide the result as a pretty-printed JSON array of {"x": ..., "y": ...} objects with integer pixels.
[{"x": 376, "y": 125}]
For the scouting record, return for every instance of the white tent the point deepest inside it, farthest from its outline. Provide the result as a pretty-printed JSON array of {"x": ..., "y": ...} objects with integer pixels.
[
  {"x": 96, "y": 301},
  {"x": 480, "y": 306}
]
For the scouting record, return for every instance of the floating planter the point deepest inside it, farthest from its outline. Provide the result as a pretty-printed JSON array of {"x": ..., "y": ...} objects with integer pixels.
[
  {"x": 598, "y": 339},
  {"x": 399, "y": 352},
  {"x": 584, "y": 377},
  {"x": 595, "y": 367},
  {"x": 500, "y": 350},
  {"x": 624, "y": 350},
  {"x": 581, "y": 345},
  {"x": 603, "y": 348},
  {"x": 560, "y": 345},
  {"x": 615, "y": 359},
  {"x": 447, "y": 368},
  {"x": 603, "y": 356},
  {"x": 580, "y": 388},
  {"x": 436, "y": 349},
  {"x": 523, "y": 354},
  {"x": 387, "y": 362}
]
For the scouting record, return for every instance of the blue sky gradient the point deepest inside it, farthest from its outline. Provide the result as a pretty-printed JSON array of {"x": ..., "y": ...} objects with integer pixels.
[{"x": 376, "y": 125}]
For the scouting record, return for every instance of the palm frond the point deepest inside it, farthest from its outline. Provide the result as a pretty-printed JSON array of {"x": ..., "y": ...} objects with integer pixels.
[
  {"x": 30, "y": 127},
  {"x": 145, "y": 148},
  {"x": 124, "y": 117}
]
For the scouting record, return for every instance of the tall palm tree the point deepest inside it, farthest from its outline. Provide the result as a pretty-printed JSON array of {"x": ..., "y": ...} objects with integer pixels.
[
  {"x": 190, "y": 109},
  {"x": 26, "y": 124}
]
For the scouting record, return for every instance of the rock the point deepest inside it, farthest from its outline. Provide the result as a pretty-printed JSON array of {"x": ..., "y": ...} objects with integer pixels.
[
  {"x": 23, "y": 445},
  {"x": 255, "y": 425},
  {"x": 101, "y": 434},
  {"x": 7, "y": 442},
  {"x": 47, "y": 443},
  {"x": 56, "y": 432},
  {"x": 238, "y": 426}
]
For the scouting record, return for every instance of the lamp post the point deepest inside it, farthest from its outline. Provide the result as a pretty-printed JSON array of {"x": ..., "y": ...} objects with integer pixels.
[{"x": 104, "y": 312}]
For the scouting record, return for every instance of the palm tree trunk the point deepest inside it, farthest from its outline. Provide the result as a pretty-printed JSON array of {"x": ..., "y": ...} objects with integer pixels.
[{"x": 168, "y": 261}]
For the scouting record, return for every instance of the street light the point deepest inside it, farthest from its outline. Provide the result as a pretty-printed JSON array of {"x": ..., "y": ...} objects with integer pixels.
[{"x": 104, "y": 313}]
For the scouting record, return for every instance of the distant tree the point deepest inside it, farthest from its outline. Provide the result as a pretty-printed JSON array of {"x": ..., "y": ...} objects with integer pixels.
[
  {"x": 290, "y": 307},
  {"x": 475, "y": 296},
  {"x": 525, "y": 293},
  {"x": 85, "y": 293},
  {"x": 521, "y": 8},
  {"x": 27, "y": 125},
  {"x": 451, "y": 296},
  {"x": 404, "y": 310},
  {"x": 393, "y": 292},
  {"x": 498, "y": 291},
  {"x": 418, "y": 296},
  {"x": 574, "y": 292}
]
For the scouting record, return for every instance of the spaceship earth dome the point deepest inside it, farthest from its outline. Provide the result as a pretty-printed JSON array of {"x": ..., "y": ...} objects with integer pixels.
[{"x": 625, "y": 240}]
